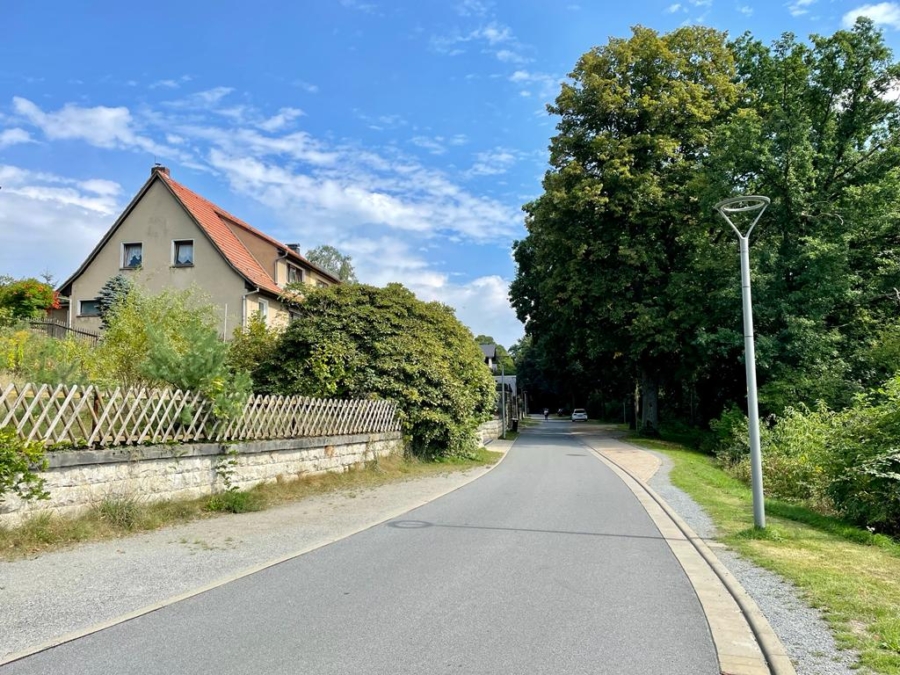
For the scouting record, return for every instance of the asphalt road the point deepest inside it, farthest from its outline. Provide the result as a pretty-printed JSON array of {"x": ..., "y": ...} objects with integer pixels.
[{"x": 548, "y": 564}]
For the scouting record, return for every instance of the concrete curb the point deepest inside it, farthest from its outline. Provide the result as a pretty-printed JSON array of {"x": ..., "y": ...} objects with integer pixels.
[
  {"x": 774, "y": 658},
  {"x": 504, "y": 446}
]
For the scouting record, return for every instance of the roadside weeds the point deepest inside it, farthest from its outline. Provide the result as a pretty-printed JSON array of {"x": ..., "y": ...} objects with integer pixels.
[{"x": 850, "y": 574}]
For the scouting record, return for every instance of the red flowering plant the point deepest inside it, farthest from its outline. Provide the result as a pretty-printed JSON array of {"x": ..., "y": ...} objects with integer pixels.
[{"x": 27, "y": 298}]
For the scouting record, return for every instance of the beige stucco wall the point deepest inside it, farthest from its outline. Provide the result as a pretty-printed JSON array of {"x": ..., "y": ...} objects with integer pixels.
[{"x": 155, "y": 222}]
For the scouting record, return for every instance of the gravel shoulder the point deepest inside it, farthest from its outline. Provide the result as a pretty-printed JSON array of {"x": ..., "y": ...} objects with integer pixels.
[
  {"x": 46, "y": 597},
  {"x": 800, "y": 628}
]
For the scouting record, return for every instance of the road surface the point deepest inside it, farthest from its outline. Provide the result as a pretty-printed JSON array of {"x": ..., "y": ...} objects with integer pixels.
[{"x": 548, "y": 564}]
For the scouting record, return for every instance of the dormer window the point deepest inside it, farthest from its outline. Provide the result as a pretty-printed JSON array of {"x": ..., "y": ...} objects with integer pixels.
[{"x": 294, "y": 275}]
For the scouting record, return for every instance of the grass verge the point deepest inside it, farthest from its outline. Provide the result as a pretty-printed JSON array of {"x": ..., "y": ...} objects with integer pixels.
[
  {"x": 119, "y": 516},
  {"x": 850, "y": 574}
]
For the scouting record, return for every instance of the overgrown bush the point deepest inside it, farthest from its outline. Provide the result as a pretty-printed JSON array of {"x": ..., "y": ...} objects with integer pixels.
[
  {"x": 38, "y": 358},
  {"x": 20, "y": 461},
  {"x": 252, "y": 345},
  {"x": 845, "y": 462},
  {"x": 358, "y": 341}
]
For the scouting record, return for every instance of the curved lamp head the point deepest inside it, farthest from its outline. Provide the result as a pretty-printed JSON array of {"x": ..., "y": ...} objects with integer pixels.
[{"x": 745, "y": 204}]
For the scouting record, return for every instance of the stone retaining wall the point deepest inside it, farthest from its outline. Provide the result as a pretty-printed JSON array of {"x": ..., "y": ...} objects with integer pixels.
[
  {"x": 79, "y": 478},
  {"x": 489, "y": 431}
]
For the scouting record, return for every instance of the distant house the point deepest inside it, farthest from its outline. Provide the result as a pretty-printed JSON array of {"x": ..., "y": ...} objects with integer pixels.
[
  {"x": 490, "y": 355},
  {"x": 174, "y": 238}
]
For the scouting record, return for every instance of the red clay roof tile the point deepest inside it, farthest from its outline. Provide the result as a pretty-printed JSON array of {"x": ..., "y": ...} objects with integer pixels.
[{"x": 210, "y": 217}]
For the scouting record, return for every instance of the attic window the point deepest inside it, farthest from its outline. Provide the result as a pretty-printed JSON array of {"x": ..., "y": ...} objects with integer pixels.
[
  {"x": 132, "y": 256},
  {"x": 294, "y": 275},
  {"x": 183, "y": 253}
]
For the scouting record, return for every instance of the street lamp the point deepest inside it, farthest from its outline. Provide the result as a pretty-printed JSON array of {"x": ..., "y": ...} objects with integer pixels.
[{"x": 727, "y": 207}]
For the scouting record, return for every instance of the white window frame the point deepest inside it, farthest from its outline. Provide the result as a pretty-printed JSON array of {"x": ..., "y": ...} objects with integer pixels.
[
  {"x": 175, "y": 243},
  {"x": 81, "y": 304},
  {"x": 301, "y": 273},
  {"x": 125, "y": 265},
  {"x": 262, "y": 308}
]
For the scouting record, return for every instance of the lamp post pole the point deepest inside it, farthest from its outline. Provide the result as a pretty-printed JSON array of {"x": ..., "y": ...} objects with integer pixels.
[
  {"x": 725, "y": 208},
  {"x": 503, "y": 398}
]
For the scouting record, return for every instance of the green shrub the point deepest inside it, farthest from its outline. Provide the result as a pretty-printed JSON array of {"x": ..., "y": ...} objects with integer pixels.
[
  {"x": 358, "y": 341},
  {"x": 252, "y": 345},
  {"x": 20, "y": 460}
]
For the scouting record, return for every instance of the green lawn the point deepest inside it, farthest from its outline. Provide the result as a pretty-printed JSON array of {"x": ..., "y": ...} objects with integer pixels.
[{"x": 850, "y": 574}]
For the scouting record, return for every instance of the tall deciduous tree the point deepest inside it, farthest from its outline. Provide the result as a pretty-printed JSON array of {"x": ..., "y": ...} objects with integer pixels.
[
  {"x": 612, "y": 240},
  {"x": 819, "y": 133},
  {"x": 332, "y": 260}
]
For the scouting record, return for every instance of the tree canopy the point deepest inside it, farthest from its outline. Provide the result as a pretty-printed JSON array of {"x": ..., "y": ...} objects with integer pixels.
[
  {"x": 627, "y": 275},
  {"x": 332, "y": 260}
]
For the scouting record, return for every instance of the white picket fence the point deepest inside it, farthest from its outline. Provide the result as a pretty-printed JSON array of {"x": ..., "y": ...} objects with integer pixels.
[{"x": 87, "y": 417}]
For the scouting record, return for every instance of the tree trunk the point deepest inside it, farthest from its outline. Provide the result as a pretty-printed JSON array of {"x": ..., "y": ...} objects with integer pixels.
[
  {"x": 650, "y": 395},
  {"x": 637, "y": 406}
]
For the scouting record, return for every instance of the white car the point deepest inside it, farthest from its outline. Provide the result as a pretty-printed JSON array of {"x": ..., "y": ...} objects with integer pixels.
[{"x": 579, "y": 415}]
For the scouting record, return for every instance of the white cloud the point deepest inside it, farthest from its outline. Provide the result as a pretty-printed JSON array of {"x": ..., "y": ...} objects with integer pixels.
[
  {"x": 472, "y": 8},
  {"x": 14, "y": 137},
  {"x": 800, "y": 7},
  {"x": 884, "y": 13},
  {"x": 493, "y": 162},
  {"x": 509, "y": 56},
  {"x": 671, "y": 9},
  {"x": 544, "y": 85},
  {"x": 165, "y": 84},
  {"x": 202, "y": 100},
  {"x": 36, "y": 207},
  {"x": 434, "y": 145},
  {"x": 746, "y": 10},
  {"x": 100, "y": 126},
  {"x": 284, "y": 117}
]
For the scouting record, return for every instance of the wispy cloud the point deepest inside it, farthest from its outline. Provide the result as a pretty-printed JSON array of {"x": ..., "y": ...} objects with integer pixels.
[
  {"x": 493, "y": 162},
  {"x": 280, "y": 120},
  {"x": 546, "y": 86},
  {"x": 308, "y": 87},
  {"x": 14, "y": 137},
  {"x": 367, "y": 7},
  {"x": 37, "y": 206},
  {"x": 746, "y": 10},
  {"x": 800, "y": 7},
  {"x": 671, "y": 9},
  {"x": 494, "y": 37},
  {"x": 99, "y": 126},
  {"x": 472, "y": 7},
  {"x": 171, "y": 83},
  {"x": 884, "y": 14}
]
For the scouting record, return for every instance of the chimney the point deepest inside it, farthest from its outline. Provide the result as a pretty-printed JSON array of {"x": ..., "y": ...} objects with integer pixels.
[
  {"x": 159, "y": 168},
  {"x": 295, "y": 248}
]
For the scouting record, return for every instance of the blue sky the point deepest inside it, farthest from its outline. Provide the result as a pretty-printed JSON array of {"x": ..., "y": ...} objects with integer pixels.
[{"x": 407, "y": 134}]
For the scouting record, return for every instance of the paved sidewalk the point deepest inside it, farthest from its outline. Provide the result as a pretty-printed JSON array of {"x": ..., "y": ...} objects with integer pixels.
[{"x": 58, "y": 593}]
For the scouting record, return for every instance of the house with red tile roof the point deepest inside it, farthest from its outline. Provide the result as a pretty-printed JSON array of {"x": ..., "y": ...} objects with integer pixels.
[{"x": 171, "y": 237}]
